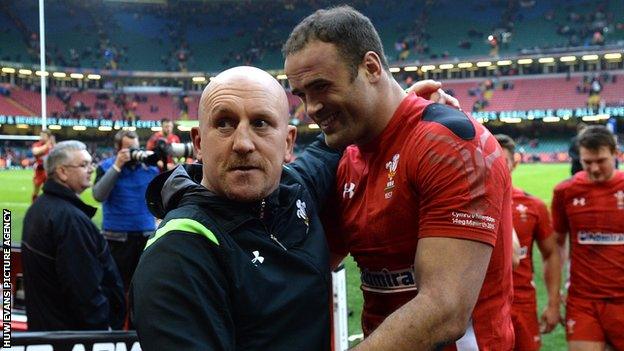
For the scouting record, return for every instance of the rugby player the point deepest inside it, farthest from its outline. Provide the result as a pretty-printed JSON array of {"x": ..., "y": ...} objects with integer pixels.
[
  {"x": 532, "y": 224},
  {"x": 588, "y": 210}
]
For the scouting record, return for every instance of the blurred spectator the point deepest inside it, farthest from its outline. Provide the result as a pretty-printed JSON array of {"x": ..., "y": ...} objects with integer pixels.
[
  {"x": 595, "y": 88},
  {"x": 573, "y": 150}
]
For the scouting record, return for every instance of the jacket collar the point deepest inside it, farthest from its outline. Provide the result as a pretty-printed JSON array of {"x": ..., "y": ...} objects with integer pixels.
[
  {"x": 182, "y": 186},
  {"x": 54, "y": 188}
]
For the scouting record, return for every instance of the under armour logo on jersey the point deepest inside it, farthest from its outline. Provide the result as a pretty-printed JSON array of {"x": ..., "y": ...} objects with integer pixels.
[
  {"x": 257, "y": 258},
  {"x": 391, "y": 166},
  {"x": 301, "y": 211},
  {"x": 620, "y": 199},
  {"x": 349, "y": 190},
  {"x": 578, "y": 201}
]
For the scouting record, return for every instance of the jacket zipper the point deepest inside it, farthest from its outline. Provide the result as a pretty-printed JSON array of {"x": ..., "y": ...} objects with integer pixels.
[
  {"x": 278, "y": 243},
  {"x": 273, "y": 237}
]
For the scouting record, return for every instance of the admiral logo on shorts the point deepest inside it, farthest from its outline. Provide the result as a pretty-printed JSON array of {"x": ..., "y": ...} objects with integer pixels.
[
  {"x": 386, "y": 281},
  {"x": 599, "y": 238}
]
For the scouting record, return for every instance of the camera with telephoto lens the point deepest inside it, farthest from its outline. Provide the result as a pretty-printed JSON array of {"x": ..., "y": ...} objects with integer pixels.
[
  {"x": 144, "y": 156},
  {"x": 178, "y": 150},
  {"x": 175, "y": 150}
]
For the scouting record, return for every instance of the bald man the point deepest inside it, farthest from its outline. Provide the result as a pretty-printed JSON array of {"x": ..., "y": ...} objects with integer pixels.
[{"x": 240, "y": 260}]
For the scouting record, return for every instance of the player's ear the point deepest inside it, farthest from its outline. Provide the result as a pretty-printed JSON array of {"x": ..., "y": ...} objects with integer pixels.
[
  {"x": 196, "y": 139},
  {"x": 373, "y": 68},
  {"x": 290, "y": 143}
]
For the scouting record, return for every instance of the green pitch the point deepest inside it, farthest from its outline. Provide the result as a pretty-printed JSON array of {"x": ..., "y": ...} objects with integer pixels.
[{"x": 537, "y": 179}]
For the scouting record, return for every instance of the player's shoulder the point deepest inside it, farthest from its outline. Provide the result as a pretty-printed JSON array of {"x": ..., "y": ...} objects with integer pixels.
[
  {"x": 444, "y": 120},
  {"x": 565, "y": 185}
]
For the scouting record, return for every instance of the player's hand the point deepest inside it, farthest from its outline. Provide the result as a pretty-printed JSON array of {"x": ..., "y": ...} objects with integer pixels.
[
  {"x": 432, "y": 90},
  {"x": 549, "y": 319},
  {"x": 123, "y": 156},
  {"x": 51, "y": 142}
]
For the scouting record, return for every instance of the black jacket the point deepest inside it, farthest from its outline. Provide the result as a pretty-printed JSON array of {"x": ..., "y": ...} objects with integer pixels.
[
  {"x": 70, "y": 279},
  {"x": 223, "y": 275}
]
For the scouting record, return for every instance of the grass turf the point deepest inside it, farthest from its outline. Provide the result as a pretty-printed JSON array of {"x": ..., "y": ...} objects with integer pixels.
[{"x": 537, "y": 179}]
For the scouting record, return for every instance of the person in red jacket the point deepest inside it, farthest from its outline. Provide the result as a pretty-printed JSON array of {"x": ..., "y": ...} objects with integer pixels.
[
  {"x": 588, "y": 210},
  {"x": 40, "y": 150},
  {"x": 168, "y": 136},
  {"x": 532, "y": 224}
]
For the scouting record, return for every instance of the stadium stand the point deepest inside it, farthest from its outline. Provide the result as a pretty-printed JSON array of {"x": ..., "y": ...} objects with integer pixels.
[
  {"x": 535, "y": 92},
  {"x": 209, "y": 36}
]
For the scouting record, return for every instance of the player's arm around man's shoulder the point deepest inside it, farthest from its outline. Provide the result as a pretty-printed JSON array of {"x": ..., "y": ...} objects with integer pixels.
[
  {"x": 464, "y": 191},
  {"x": 317, "y": 167}
]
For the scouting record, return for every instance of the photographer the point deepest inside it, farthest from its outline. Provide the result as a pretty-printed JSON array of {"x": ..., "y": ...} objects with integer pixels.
[
  {"x": 166, "y": 135},
  {"x": 120, "y": 185}
]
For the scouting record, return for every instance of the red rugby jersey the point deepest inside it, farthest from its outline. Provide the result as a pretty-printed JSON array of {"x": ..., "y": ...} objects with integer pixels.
[
  {"x": 593, "y": 215},
  {"x": 531, "y": 222},
  {"x": 39, "y": 159},
  {"x": 425, "y": 176},
  {"x": 151, "y": 142}
]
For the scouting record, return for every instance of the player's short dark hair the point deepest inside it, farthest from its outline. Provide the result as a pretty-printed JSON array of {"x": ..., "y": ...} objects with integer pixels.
[
  {"x": 164, "y": 120},
  {"x": 596, "y": 136},
  {"x": 353, "y": 34},
  {"x": 124, "y": 134},
  {"x": 506, "y": 142}
]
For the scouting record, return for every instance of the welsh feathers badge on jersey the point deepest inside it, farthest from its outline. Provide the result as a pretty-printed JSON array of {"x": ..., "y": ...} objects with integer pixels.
[{"x": 391, "y": 166}]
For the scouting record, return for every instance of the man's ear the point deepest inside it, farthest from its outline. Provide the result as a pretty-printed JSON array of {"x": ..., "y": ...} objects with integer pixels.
[
  {"x": 196, "y": 139},
  {"x": 517, "y": 158},
  {"x": 289, "y": 156},
  {"x": 372, "y": 66},
  {"x": 61, "y": 174}
]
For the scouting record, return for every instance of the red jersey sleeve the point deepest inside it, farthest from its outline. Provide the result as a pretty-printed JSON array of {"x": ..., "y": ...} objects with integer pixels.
[
  {"x": 151, "y": 142},
  {"x": 461, "y": 185},
  {"x": 544, "y": 228},
  {"x": 559, "y": 218},
  {"x": 174, "y": 139}
]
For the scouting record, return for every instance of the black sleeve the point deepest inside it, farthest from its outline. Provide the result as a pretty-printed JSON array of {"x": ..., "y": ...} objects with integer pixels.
[
  {"x": 317, "y": 166},
  {"x": 180, "y": 296},
  {"x": 81, "y": 272}
]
